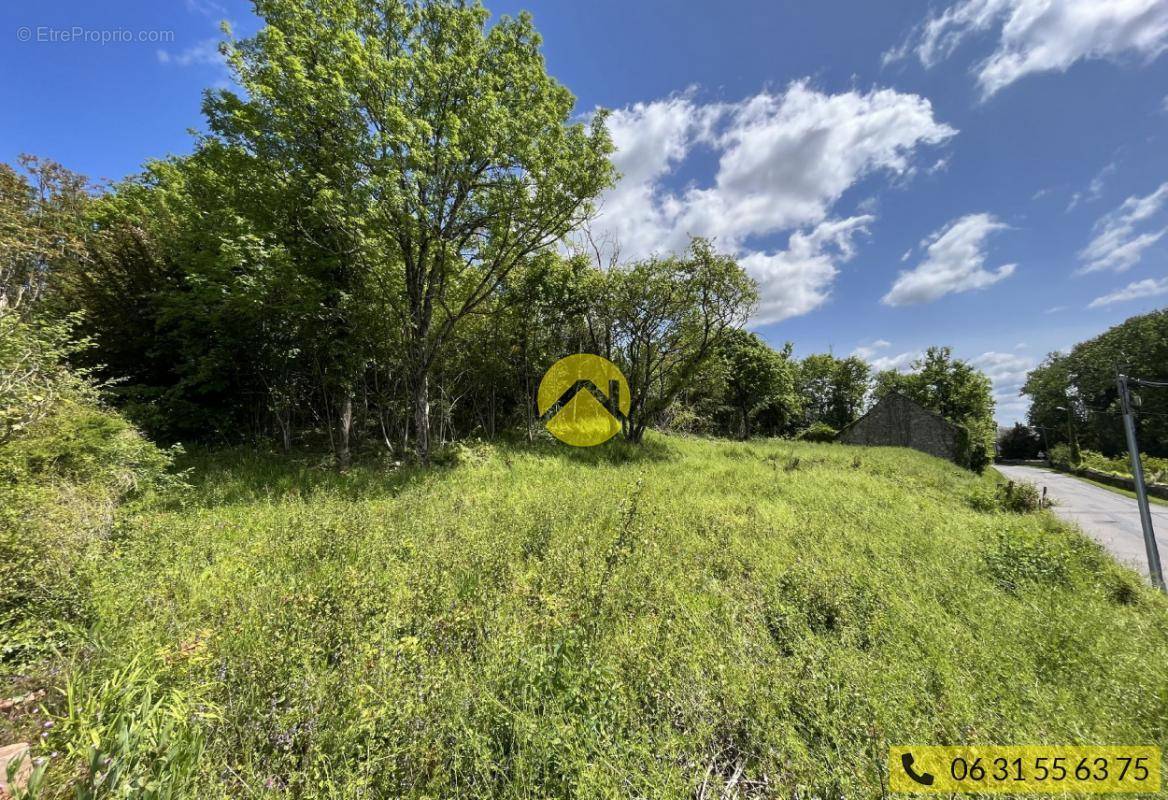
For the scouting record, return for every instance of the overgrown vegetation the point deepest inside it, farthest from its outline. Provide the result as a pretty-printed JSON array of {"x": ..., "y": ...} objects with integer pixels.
[
  {"x": 365, "y": 257},
  {"x": 538, "y": 620},
  {"x": 1155, "y": 469},
  {"x": 66, "y": 466}
]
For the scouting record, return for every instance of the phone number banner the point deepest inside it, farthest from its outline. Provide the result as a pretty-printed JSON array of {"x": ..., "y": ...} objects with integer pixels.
[{"x": 1025, "y": 769}]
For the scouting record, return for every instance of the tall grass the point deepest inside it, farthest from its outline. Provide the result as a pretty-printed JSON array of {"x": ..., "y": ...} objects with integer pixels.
[{"x": 692, "y": 617}]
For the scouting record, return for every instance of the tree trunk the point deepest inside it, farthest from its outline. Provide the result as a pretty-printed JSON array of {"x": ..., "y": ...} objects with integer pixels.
[
  {"x": 344, "y": 427},
  {"x": 422, "y": 416},
  {"x": 285, "y": 430}
]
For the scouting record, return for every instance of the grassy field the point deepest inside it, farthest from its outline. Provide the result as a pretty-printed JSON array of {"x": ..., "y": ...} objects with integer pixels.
[{"x": 550, "y": 622}]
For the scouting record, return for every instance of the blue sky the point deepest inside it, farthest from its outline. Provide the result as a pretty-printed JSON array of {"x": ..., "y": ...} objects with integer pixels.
[{"x": 987, "y": 174}]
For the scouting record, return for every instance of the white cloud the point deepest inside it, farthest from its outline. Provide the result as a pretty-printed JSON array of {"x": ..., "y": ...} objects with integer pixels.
[
  {"x": 782, "y": 162},
  {"x": 799, "y": 279},
  {"x": 1040, "y": 35},
  {"x": 901, "y": 362},
  {"x": 1007, "y": 372},
  {"x": 208, "y": 8},
  {"x": 1133, "y": 291},
  {"x": 1117, "y": 244},
  {"x": 866, "y": 351},
  {"x": 1094, "y": 190},
  {"x": 954, "y": 262},
  {"x": 204, "y": 52},
  {"x": 1055, "y": 309}
]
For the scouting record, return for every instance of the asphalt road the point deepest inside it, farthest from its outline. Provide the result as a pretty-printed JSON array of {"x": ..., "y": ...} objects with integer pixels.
[{"x": 1109, "y": 518}]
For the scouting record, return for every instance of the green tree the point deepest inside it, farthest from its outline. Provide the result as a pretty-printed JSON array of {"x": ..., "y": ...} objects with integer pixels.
[
  {"x": 663, "y": 318},
  {"x": 833, "y": 389},
  {"x": 1019, "y": 442},
  {"x": 759, "y": 381},
  {"x": 419, "y": 137},
  {"x": 1083, "y": 381},
  {"x": 42, "y": 207}
]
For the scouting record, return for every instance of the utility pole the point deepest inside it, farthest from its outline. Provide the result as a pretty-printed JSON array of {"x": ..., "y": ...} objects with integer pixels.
[
  {"x": 1155, "y": 571},
  {"x": 1072, "y": 440}
]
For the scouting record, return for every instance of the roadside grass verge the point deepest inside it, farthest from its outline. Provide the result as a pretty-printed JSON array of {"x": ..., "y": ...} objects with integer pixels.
[{"x": 764, "y": 618}]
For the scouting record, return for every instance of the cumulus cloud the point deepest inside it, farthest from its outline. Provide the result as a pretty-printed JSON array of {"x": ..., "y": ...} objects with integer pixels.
[
  {"x": 782, "y": 161},
  {"x": 1133, "y": 291},
  {"x": 954, "y": 262},
  {"x": 1007, "y": 372},
  {"x": 866, "y": 351},
  {"x": 799, "y": 279},
  {"x": 1121, "y": 236},
  {"x": 901, "y": 362},
  {"x": 1040, "y": 35}
]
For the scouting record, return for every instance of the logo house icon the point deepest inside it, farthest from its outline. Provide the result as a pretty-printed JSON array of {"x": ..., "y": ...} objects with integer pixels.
[{"x": 586, "y": 396}]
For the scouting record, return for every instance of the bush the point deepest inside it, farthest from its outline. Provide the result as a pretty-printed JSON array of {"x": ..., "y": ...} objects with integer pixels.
[
  {"x": 135, "y": 737},
  {"x": 1155, "y": 469},
  {"x": 819, "y": 432},
  {"x": 65, "y": 466},
  {"x": 32, "y": 378},
  {"x": 973, "y": 451},
  {"x": 1016, "y": 498}
]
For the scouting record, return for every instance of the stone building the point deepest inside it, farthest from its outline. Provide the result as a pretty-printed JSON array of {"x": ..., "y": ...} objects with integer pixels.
[{"x": 897, "y": 421}]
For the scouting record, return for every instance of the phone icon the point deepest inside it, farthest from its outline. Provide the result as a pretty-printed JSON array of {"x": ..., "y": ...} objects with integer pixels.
[{"x": 925, "y": 779}]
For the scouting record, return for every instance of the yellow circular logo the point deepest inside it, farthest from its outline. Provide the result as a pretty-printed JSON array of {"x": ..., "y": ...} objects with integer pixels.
[{"x": 584, "y": 395}]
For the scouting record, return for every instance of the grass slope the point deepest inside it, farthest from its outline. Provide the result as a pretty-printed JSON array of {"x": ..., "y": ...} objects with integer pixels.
[{"x": 550, "y": 622}]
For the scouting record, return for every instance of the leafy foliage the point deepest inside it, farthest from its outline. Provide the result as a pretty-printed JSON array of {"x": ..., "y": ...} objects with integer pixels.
[
  {"x": 760, "y": 384},
  {"x": 445, "y": 157},
  {"x": 664, "y": 317},
  {"x": 41, "y": 228},
  {"x": 1010, "y": 496},
  {"x": 834, "y": 389},
  {"x": 65, "y": 464},
  {"x": 1083, "y": 381},
  {"x": 819, "y": 432}
]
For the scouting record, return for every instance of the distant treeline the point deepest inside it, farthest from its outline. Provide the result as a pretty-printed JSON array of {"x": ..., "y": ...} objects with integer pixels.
[{"x": 1074, "y": 395}]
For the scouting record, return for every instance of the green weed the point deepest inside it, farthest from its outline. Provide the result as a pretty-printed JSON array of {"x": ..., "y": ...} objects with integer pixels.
[{"x": 695, "y": 616}]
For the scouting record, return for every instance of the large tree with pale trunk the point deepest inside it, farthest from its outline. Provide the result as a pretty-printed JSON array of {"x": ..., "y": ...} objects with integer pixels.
[{"x": 421, "y": 155}]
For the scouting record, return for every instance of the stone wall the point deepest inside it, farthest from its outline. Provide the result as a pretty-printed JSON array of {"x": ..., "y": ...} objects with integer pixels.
[
  {"x": 1112, "y": 479},
  {"x": 897, "y": 421}
]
